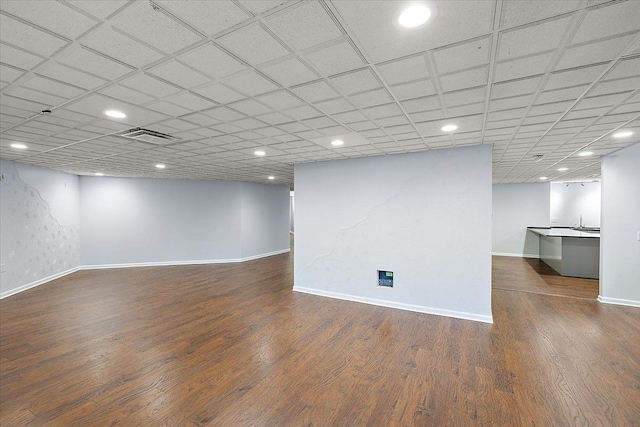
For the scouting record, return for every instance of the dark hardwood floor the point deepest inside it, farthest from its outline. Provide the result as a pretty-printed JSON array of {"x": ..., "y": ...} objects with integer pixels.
[{"x": 232, "y": 345}]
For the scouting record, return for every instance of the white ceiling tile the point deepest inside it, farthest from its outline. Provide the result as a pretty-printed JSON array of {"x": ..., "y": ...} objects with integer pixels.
[
  {"x": 219, "y": 93},
  {"x": 304, "y": 26},
  {"x": 368, "y": 99},
  {"x": 29, "y": 38},
  {"x": 209, "y": 17},
  {"x": 101, "y": 9},
  {"x": 467, "y": 96},
  {"x": 212, "y": 61},
  {"x": 95, "y": 105},
  {"x": 462, "y": 56},
  {"x": 404, "y": 70},
  {"x": 250, "y": 83},
  {"x": 573, "y": 77},
  {"x": 515, "y": 113},
  {"x": 421, "y": 104},
  {"x": 149, "y": 85},
  {"x": 9, "y": 74},
  {"x": 290, "y": 72},
  {"x": 250, "y": 107},
  {"x": 274, "y": 118},
  {"x": 258, "y": 7},
  {"x": 380, "y": 111},
  {"x": 506, "y": 103},
  {"x": 178, "y": 74},
  {"x": 518, "y": 12},
  {"x": 334, "y": 106},
  {"x": 608, "y": 20},
  {"x": 350, "y": 117},
  {"x": 624, "y": 68},
  {"x": 52, "y": 87},
  {"x": 190, "y": 101},
  {"x": 18, "y": 58},
  {"x": 592, "y": 53},
  {"x": 223, "y": 114},
  {"x": 515, "y": 87},
  {"x": 314, "y": 92},
  {"x": 374, "y": 24},
  {"x": 126, "y": 94},
  {"x": 302, "y": 112},
  {"x": 116, "y": 45},
  {"x": 92, "y": 63},
  {"x": 335, "y": 59},
  {"x": 155, "y": 28},
  {"x": 522, "y": 67},
  {"x": 200, "y": 119},
  {"x": 465, "y": 110},
  {"x": 464, "y": 79},
  {"x": 556, "y": 107},
  {"x": 613, "y": 86},
  {"x": 602, "y": 101},
  {"x": 561, "y": 94},
  {"x": 248, "y": 123},
  {"x": 69, "y": 75},
  {"x": 413, "y": 90},
  {"x": 51, "y": 15},
  {"x": 358, "y": 81},
  {"x": 279, "y": 100},
  {"x": 178, "y": 124},
  {"x": 532, "y": 39},
  {"x": 253, "y": 44}
]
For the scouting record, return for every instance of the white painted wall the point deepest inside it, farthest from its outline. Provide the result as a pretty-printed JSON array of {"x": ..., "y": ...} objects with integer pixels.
[
  {"x": 570, "y": 200},
  {"x": 620, "y": 231},
  {"x": 516, "y": 207},
  {"x": 425, "y": 216},
  {"x": 265, "y": 219},
  {"x": 39, "y": 225}
]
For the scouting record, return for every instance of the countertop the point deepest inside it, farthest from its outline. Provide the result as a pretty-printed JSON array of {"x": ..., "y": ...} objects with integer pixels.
[{"x": 564, "y": 232}]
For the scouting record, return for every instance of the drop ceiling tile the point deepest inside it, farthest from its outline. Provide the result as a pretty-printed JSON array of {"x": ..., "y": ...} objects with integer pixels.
[
  {"x": 462, "y": 56},
  {"x": 624, "y": 68},
  {"x": 302, "y": 112},
  {"x": 515, "y": 87},
  {"x": 515, "y": 113},
  {"x": 155, "y": 28},
  {"x": 369, "y": 99},
  {"x": 314, "y": 92},
  {"x": 93, "y": 63},
  {"x": 190, "y": 101},
  {"x": 206, "y": 16},
  {"x": 465, "y": 110},
  {"x": 149, "y": 85},
  {"x": 9, "y": 74},
  {"x": 380, "y": 111},
  {"x": 250, "y": 83},
  {"x": 570, "y": 93},
  {"x": 395, "y": 125},
  {"x": 413, "y": 90},
  {"x": 248, "y": 123},
  {"x": 532, "y": 39},
  {"x": 167, "y": 108},
  {"x": 212, "y": 61},
  {"x": 178, "y": 74},
  {"x": 404, "y": 70},
  {"x": 521, "y": 12},
  {"x": 421, "y": 104},
  {"x": 178, "y": 124},
  {"x": 250, "y": 107},
  {"x": 95, "y": 105},
  {"x": 290, "y": 72},
  {"x": 358, "y": 81},
  {"x": 601, "y": 101},
  {"x": 506, "y": 103},
  {"x": 334, "y": 106},
  {"x": 253, "y": 44},
  {"x": 50, "y": 86},
  {"x": 523, "y": 67},
  {"x": 350, "y": 117},
  {"x": 258, "y": 7},
  {"x": 116, "y": 45},
  {"x": 18, "y": 58},
  {"x": 613, "y": 86},
  {"x": 467, "y": 96},
  {"x": 608, "y": 20},
  {"x": 335, "y": 59},
  {"x": 304, "y": 26},
  {"x": 464, "y": 79},
  {"x": 279, "y": 100},
  {"x": 28, "y": 38},
  {"x": 274, "y": 118},
  {"x": 587, "y": 54},
  {"x": 320, "y": 122},
  {"x": 218, "y": 92},
  {"x": 125, "y": 94},
  {"x": 200, "y": 119},
  {"x": 223, "y": 114},
  {"x": 100, "y": 9},
  {"x": 70, "y": 76},
  {"x": 45, "y": 101},
  {"x": 573, "y": 77},
  {"x": 374, "y": 25}
]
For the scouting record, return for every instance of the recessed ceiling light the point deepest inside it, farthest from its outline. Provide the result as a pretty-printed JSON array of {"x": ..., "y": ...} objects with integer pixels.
[
  {"x": 586, "y": 153},
  {"x": 543, "y": 178},
  {"x": 259, "y": 153},
  {"x": 337, "y": 142},
  {"x": 414, "y": 16},
  {"x": 18, "y": 146},
  {"x": 115, "y": 114},
  {"x": 160, "y": 166},
  {"x": 98, "y": 174},
  {"x": 449, "y": 128},
  {"x": 563, "y": 169},
  {"x": 272, "y": 177},
  {"x": 622, "y": 134}
]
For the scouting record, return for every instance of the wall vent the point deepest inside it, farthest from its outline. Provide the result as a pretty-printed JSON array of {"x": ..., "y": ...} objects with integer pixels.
[{"x": 149, "y": 136}]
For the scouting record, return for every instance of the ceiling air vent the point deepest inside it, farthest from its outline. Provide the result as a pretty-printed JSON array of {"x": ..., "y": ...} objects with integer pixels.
[{"x": 149, "y": 136}]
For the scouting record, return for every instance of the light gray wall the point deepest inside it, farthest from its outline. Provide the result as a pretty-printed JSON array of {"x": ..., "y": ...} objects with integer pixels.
[
  {"x": 425, "y": 216},
  {"x": 571, "y": 200},
  {"x": 516, "y": 207},
  {"x": 265, "y": 219},
  {"x": 619, "y": 244},
  {"x": 39, "y": 225}
]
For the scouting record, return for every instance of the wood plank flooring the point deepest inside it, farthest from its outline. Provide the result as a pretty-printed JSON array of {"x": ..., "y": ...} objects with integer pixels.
[{"x": 233, "y": 345}]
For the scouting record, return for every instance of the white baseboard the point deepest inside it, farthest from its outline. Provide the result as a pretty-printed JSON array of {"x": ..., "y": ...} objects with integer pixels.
[
  {"x": 137, "y": 264},
  {"x": 618, "y": 301},
  {"x": 401, "y": 306},
  {"x": 515, "y": 255},
  {"x": 37, "y": 283}
]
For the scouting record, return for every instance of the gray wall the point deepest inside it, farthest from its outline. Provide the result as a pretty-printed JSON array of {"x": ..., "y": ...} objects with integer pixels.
[
  {"x": 39, "y": 225},
  {"x": 516, "y": 207},
  {"x": 425, "y": 216},
  {"x": 619, "y": 244},
  {"x": 265, "y": 219},
  {"x": 569, "y": 201}
]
